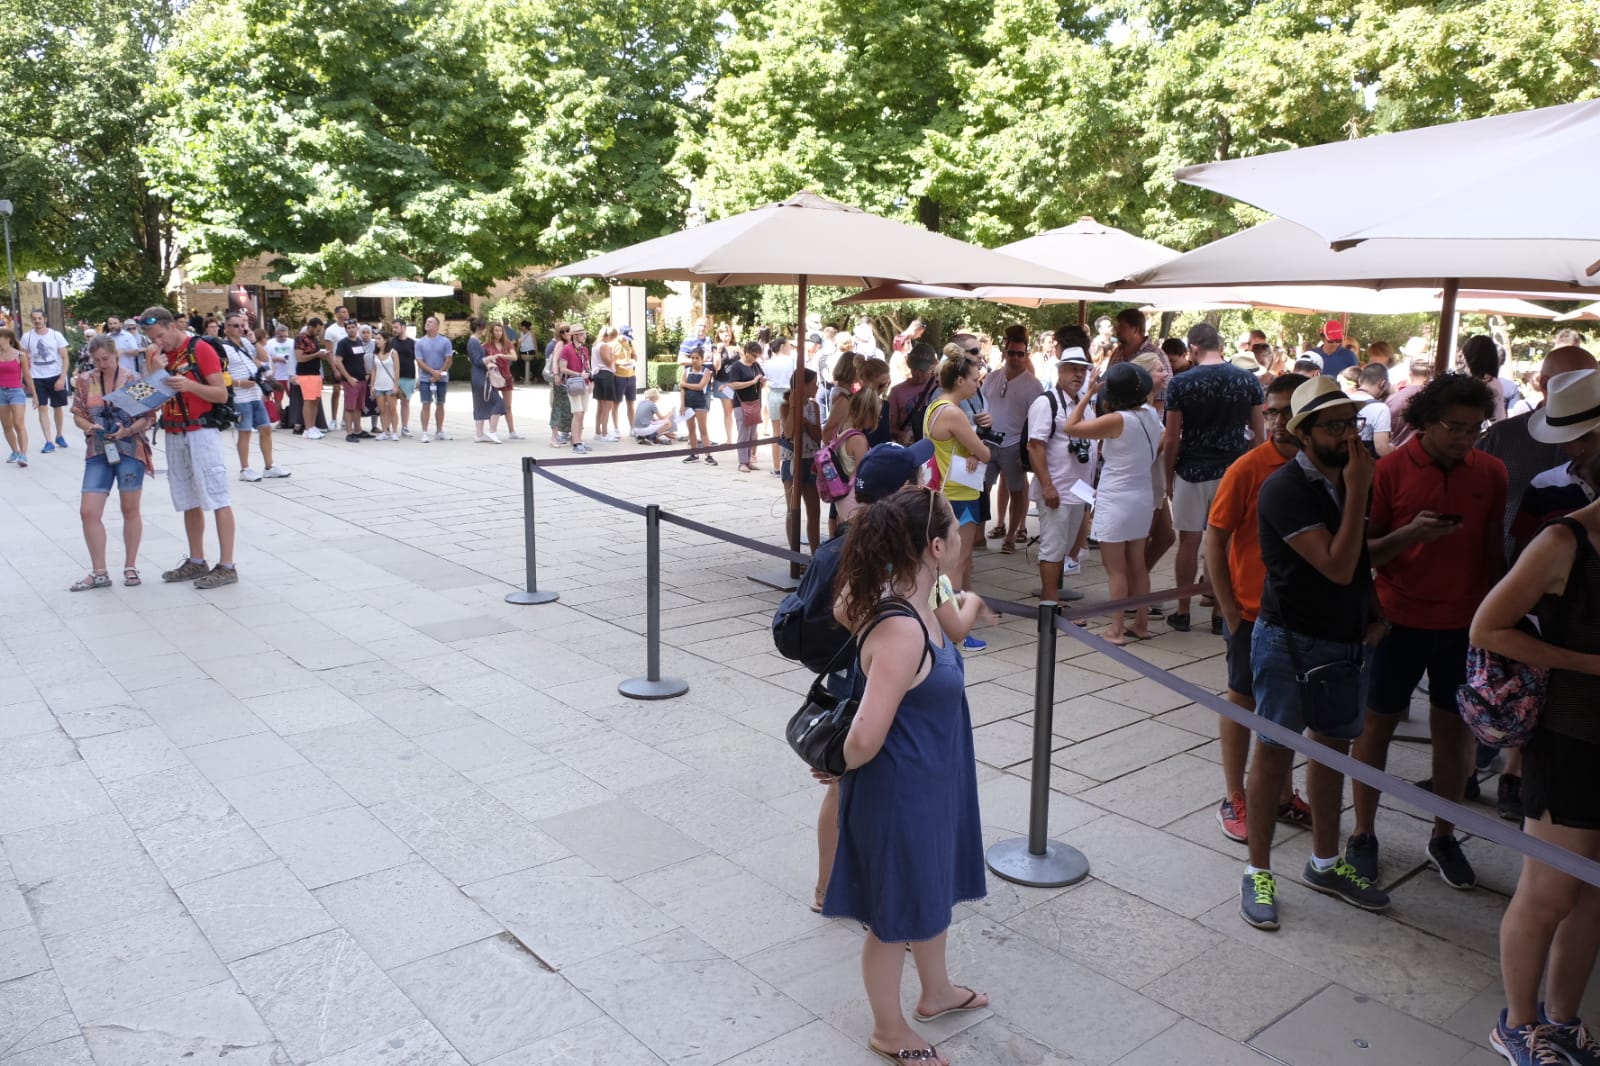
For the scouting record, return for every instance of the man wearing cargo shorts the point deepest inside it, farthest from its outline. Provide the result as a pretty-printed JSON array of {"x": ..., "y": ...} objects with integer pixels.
[{"x": 197, "y": 469}]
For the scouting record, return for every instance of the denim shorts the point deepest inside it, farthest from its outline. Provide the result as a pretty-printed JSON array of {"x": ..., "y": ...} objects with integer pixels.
[
  {"x": 1278, "y": 693},
  {"x": 252, "y": 415},
  {"x": 13, "y": 397},
  {"x": 99, "y": 475},
  {"x": 433, "y": 391}
]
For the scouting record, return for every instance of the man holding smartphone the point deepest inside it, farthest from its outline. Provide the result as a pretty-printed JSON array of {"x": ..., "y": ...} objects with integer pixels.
[{"x": 1434, "y": 533}]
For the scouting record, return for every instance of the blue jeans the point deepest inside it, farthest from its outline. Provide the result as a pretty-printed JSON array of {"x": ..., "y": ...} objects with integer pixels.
[
  {"x": 1277, "y": 690},
  {"x": 99, "y": 475}
]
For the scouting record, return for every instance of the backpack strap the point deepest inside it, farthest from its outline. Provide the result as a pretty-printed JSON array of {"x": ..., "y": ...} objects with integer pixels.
[{"x": 891, "y": 607}]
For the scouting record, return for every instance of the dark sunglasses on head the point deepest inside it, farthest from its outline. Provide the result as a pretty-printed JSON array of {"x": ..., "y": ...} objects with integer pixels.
[{"x": 148, "y": 320}]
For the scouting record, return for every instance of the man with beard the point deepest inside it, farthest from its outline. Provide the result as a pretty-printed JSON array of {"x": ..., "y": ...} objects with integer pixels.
[{"x": 1317, "y": 616}]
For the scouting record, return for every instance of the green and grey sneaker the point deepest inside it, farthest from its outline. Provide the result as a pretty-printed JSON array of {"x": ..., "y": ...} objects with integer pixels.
[
  {"x": 1258, "y": 900},
  {"x": 218, "y": 576},
  {"x": 186, "y": 570},
  {"x": 1342, "y": 881}
]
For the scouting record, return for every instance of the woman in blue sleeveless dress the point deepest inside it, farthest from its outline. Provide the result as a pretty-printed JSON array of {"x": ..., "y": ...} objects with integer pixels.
[{"x": 910, "y": 841}]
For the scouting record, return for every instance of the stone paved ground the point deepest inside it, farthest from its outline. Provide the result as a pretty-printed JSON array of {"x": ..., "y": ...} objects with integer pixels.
[{"x": 357, "y": 810}]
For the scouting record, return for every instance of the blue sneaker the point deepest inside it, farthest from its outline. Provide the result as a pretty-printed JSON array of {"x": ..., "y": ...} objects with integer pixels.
[
  {"x": 61, "y": 442},
  {"x": 1527, "y": 1046},
  {"x": 974, "y": 644},
  {"x": 12, "y": 457},
  {"x": 47, "y": 449},
  {"x": 1571, "y": 1038}
]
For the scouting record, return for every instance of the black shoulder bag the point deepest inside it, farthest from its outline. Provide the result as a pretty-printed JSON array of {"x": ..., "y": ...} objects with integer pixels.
[{"x": 818, "y": 729}]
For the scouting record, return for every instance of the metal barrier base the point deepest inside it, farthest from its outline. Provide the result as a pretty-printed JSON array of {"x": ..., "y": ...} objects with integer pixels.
[
  {"x": 642, "y": 688},
  {"x": 526, "y": 598},
  {"x": 775, "y": 579},
  {"x": 1060, "y": 865}
]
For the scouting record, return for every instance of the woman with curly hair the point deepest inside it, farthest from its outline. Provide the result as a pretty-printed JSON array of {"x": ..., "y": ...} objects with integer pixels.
[{"x": 910, "y": 838}]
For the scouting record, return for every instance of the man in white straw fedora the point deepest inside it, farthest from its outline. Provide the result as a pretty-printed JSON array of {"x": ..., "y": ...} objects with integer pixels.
[
  {"x": 1569, "y": 420},
  {"x": 1318, "y": 618}
]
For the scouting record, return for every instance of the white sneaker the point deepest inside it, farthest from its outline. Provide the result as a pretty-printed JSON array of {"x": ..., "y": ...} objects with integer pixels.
[
  {"x": 515, "y": 436},
  {"x": 425, "y": 437},
  {"x": 492, "y": 439},
  {"x": 249, "y": 474},
  {"x": 441, "y": 435},
  {"x": 405, "y": 431},
  {"x": 276, "y": 471},
  {"x": 314, "y": 434}
]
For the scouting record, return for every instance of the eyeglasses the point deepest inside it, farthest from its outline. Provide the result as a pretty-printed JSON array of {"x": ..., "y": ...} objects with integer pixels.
[
  {"x": 1019, "y": 352},
  {"x": 974, "y": 351},
  {"x": 1338, "y": 427},
  {"x": 1465, "y": 429},
  {"x": 1274, "y": 412}
]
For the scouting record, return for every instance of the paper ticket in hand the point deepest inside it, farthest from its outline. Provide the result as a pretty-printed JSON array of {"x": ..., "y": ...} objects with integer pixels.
[{"x": 1081, "y": 491}]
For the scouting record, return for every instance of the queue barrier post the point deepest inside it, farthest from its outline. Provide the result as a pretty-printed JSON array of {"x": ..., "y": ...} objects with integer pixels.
[
  {"x": 532, "y": 594},
  {"x": 1037, "y": 860},
  {"x": 653, "y": 686}
]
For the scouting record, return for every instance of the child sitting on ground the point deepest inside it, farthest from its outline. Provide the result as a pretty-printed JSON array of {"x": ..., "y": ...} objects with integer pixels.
[{"x": 651, "y": 424}]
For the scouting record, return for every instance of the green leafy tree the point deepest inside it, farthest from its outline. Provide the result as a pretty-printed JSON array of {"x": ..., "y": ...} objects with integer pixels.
[
  {"x": 460, "y": 141},
  {"x": 75, "y": 107}
]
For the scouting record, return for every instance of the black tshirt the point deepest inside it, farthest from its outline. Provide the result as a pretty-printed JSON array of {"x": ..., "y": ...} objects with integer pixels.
[
  {"x": 406, "y": 349},
  {"x": 739, "y": 372},
  {"x": 353, "y": 354},
  {"x": 1297, "y": 596}
]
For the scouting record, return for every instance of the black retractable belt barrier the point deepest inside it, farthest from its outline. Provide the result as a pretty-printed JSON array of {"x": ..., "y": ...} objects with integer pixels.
[
  {"x": 1039, "y": 861},
  {"x": 653, "y": 686},
  {"x": 532, "y": 594}
]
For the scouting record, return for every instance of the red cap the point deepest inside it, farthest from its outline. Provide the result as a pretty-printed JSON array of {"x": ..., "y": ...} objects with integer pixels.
[{"x": 1333, "y": 329}]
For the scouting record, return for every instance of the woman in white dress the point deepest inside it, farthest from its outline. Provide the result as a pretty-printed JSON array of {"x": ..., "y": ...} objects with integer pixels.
[{"x": 1130, "y": 483}]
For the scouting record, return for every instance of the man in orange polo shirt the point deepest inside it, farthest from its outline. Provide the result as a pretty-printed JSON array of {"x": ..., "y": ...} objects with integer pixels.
[
  {"x": 1435, "y": 535},
  {"x": 1233, "y": 560}
]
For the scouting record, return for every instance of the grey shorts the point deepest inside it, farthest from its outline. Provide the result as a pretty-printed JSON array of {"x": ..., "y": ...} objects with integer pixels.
[
  {"x": 197, "y": 472},
  {"x": 1007, "y": 459}
]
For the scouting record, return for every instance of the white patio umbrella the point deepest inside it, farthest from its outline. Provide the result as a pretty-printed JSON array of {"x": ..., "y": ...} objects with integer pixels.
[
  {"x": 1516, "y": 177},
  {"x": 1589, "y": 313},
  {"x": 400, "y": 289},
  {"x": 811, "y": 240},
  {"x": 1090, "y": 249},
  {"x": 1282, "y": 252}
]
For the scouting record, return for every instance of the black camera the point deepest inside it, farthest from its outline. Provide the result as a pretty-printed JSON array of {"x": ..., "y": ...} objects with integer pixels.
[
  {"x": 1079, "y": 449},
  {"x": 990, "y": 437}
]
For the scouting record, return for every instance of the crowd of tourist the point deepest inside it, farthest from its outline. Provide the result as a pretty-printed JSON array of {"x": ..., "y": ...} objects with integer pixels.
[{"x": 1360, "y": 520}]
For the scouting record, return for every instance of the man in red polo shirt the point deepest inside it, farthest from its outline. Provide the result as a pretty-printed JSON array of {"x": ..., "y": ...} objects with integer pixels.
[
  {"x": 1434, "y": 534},
  {"x": 197, "y": 469}
]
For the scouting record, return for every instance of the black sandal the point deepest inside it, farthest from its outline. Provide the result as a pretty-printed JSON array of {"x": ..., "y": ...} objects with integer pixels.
[{"x": 96, "y": 579}]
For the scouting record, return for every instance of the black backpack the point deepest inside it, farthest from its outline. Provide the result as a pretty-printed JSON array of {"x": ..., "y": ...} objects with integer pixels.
[
  {"x": 222, "y": 415},
  {"x": 803, "y": 626},
  {"x": 919, "y": 410},
  {"x": 1055, "y": 409}
]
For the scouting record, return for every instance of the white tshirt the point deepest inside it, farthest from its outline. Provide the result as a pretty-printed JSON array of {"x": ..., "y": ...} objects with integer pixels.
[
  {"x": 780, "y": 371},
  {"x": 1063, "y": 466},
  {"x": 281, "y": 352},
  {"x": 1378, "y": 416},
  {"x": 241, "y": 365},
  {"x": 1008, "y": 402},
  {"x": 44, "y": 352}
]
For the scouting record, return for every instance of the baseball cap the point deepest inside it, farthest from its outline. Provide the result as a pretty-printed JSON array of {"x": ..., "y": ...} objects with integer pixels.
[
  {"x": 814, "y": 338},
  {"x": 888, "y": 468},
  {"x": 1333, "y": 329},
  {"x": 1309, "y": 357},
  {"x": 1074, "y": 357}
]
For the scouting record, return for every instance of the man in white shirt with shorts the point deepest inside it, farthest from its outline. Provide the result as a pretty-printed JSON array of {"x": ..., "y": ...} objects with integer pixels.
[{"x": 1058, "y": 461}]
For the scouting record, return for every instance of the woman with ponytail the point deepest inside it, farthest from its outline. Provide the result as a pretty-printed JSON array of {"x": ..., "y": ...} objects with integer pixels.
[{"x": 910, "y": 843}]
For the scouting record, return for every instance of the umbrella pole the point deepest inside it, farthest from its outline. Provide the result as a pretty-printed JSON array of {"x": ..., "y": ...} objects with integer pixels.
[
  {"x": 1083, "y": 313},
  {"x": 797, "y": 413},
  {"x": 1447, "y": 327}
]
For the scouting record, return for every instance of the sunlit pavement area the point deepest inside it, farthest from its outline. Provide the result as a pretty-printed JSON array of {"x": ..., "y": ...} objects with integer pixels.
[{"x": 358, "y": 810}]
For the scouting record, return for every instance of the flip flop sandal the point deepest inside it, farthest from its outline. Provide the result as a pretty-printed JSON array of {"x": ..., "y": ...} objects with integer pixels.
[
  {"x": 92, "y": 581},
  {"x": 130, "y": 577},
  {"x": 914, "y": 1054},
  {"x": 964, "y": 1005}
]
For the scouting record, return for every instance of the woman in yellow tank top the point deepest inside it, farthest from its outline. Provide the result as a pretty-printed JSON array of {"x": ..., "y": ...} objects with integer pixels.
[{"x": 955, "y": 441}]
